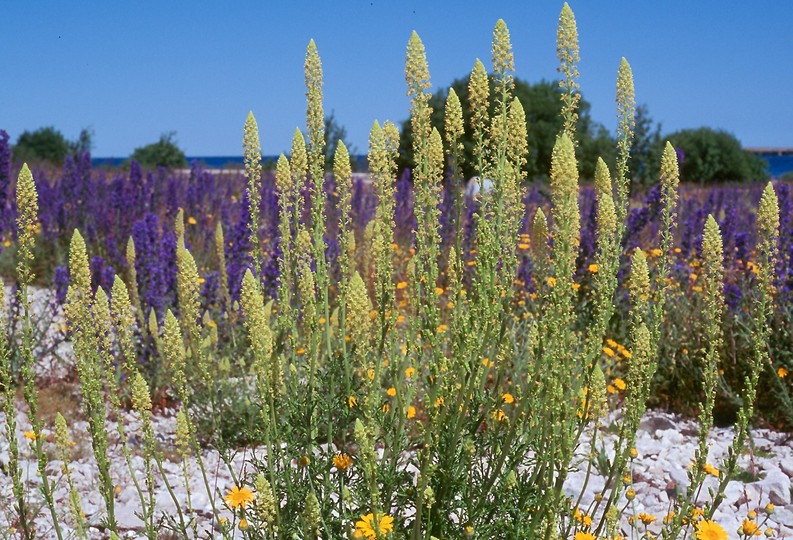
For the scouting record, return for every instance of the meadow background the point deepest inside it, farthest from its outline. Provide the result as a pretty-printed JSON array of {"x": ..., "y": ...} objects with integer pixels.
[{"x": 423, "y": 341}]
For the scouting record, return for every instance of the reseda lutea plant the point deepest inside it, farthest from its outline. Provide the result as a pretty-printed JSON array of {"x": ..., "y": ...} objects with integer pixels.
[{"x": 420, "y": 395}]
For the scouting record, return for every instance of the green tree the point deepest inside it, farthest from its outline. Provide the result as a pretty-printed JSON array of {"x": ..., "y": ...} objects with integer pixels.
[
  {"x": 645, "y": 160},
  {"x": 710, "y": 155},
  {"x": 46, "y": 144},
  {"x": 542, "y": 104},
  {"x": 163, "y": 153},
  {"x": 83, "y": 143},
  {"x": 335, "y": 132}
]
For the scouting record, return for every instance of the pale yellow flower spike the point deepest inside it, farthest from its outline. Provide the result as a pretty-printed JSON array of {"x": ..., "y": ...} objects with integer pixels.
[
  {"x": 478, "y": 98},
  {"x": 453, "y": 121},
  {"x": 503, "y": 58},
  {"x": 626, "y": 105},
  {"x": 283, "y": 175},
  {"x": 315, "y": 118},
  {"x": 27, "y": 218},
  {"x": 568, "y": 54},
  {"x": 417, "y": 73}
]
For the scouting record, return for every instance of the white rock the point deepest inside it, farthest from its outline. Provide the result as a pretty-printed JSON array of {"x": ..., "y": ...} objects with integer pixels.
[{"x": 776, "y": 485}]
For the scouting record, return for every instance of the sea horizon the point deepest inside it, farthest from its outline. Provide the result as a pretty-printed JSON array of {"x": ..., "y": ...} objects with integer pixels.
[{"x": 777, "y": 165}]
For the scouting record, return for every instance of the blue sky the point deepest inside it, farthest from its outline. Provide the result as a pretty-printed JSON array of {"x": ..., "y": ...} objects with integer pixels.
[{"x": 131, "y": 71}]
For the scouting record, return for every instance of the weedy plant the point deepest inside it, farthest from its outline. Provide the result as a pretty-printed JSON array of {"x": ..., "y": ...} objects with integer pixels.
[{"x": 421, "y": 395}]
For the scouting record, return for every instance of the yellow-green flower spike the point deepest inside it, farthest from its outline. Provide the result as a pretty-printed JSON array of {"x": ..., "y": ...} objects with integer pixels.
[
  {"x": 454, "y": 128},
  {"x": 299, "y": 161},
  {"x": 123, "y": 323},
  {"x": 270, "y": 375},
  {"x": 285, "y": 183},
  {"x": 342, "y": 171},
  {"x": 174, "y": 354},
  {"x": 712, "y": 257},
  {"x": 132, "y": 281},
  {"x": 141, "y": 398},
  {"x": 479, "y": 100},
  {"x": 223, "y": 275},
  {"x": 187, "y": 290},
  {"x": 598, "y": 403},
  {"x": 435, "y": 157},
  {"x": 153, "y": 326},
  {"x": 178, "y": 228},
  {"x": 182, "y": 433},
  {"x": 315, "y": 118},
  {"x": 670, "y": 175},
  {"x": 79, "y": 270},
  {"x": 639, "y": 280},
  {"x": 568, "y": 54},
  {"x": 626, "y": 106},
  {"x": 358, "y": 308},
  {"x": 768, "y": 216},
  {"x": 252, "y": 154},
  {"x": 539, "y": 236},
  {"x": 417, "y": 74},
  {"x": 503, "y": 58},
  {"x": 62, "y": 439},
  {"x": 27, "y": 223},
  {"x": 251, "y": 148},
  {"x": 265, "y": 499},
  {"x": 564, "y": 194},
  {"x": 283, "y": 175},
  {"x": 606, "y": 214}
]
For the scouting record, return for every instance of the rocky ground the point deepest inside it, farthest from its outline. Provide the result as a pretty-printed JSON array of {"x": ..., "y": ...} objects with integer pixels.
[{"x": 665, "y": 445}]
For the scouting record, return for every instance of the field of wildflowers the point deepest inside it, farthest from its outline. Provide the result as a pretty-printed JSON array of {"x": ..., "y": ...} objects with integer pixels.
[{"x": 409, "y": 360}]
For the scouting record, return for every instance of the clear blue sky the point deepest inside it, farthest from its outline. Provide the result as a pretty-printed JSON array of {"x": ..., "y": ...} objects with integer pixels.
[{"x": 133, "y": 70}]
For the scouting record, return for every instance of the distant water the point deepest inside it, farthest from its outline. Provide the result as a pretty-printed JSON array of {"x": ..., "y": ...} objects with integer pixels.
[
  {"x": 209, "y": 162},
  {"x": 778, "y": 165}
]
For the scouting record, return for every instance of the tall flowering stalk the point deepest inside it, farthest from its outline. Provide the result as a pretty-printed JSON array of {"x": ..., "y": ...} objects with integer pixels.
[
  {"x": 132, "y": 284},
  {"x": 342, "y": 172},
  {"x": 568, "y": 54},
  {"x": 383, "y": 143},
  {"x": 63, "y": 445},
  {"x": 713, "y": 295},
  {"x": 626, "y": 124},
  {"x": 252, "y": 153},
  {"x": 761, "y": 312},
  {"x": 286, "y": 203},
  {"x": 27, "y": 226},
  {"x": 79, "y": 312},
  {"x": 9, "y": 408},
  {"x": 224, "y": 296},
  {"x": 454, "y": 129}
]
